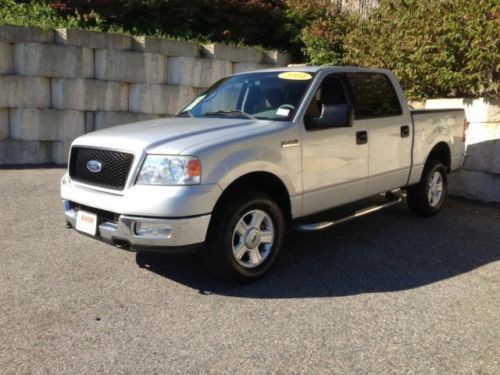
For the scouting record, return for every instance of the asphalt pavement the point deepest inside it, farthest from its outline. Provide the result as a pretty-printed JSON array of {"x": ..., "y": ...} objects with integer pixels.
[{"x": 389, "y": 293}]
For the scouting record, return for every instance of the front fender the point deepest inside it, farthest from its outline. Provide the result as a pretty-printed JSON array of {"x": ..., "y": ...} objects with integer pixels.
[
  {"x": 225, "y": 162},
  {"x": 244, "y": 162}
]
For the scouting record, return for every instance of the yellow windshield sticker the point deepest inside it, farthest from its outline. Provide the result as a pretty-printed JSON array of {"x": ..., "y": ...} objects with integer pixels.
[{"x": 297, "y": 76}]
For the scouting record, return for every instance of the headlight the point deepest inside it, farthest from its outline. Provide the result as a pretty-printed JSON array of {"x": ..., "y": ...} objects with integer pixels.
[{"x": 169, "y": 170}]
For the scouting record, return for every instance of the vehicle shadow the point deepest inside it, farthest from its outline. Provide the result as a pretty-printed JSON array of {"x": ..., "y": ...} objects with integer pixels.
[{"x": 388, "y": 251}]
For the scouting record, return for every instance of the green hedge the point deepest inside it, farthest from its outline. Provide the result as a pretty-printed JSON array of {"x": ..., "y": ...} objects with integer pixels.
[
  {"x": 444, "y": 48},
  {"x": 249, "y": 22},
  {"x": 37, "y": 13}
]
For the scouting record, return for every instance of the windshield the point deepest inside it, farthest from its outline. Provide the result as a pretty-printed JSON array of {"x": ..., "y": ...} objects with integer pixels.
[{"x": 266, "y": 96}]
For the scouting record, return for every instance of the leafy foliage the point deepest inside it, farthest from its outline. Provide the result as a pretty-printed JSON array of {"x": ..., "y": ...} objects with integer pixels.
[
  {"x": 437, "y": 48},
  {"x": 318, "y": 28},
  {"x": 145, "y": 17},
  {"x": 324, "y": 39},
  {"x": 39, "y": 14},
  {"x": 262, "y": 22},
  {"x": 252, "y": 22}
]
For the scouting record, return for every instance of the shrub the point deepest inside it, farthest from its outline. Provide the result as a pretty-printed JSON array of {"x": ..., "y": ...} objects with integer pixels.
[
  {"x": 145, "y": 17},
  {"x": 317, "y": 29},
  {"x": 254, "y": 22},
  {"x": 251, "y": 22},
  {"x": 324, "y": 38},
  {"x": 40, "y": 14},
  {"x": 436, "y": 48}
]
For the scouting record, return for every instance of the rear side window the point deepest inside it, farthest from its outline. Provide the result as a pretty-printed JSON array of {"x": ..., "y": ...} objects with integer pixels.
[{"x": 373, "y": 95}]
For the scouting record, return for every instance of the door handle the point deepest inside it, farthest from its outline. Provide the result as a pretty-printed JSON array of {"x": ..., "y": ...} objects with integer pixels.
[
  {"x": 361, "y": 137},
  {"x": 405, "y": 131}
]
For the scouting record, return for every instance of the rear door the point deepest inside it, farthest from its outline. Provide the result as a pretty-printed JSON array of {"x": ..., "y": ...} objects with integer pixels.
[{"x": 378, "y": 110}]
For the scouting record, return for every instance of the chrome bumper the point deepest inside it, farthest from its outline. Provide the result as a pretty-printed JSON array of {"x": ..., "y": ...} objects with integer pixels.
[{"x": 184, "y": 231}]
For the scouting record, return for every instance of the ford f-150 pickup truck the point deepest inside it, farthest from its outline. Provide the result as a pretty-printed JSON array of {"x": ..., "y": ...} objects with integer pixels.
[{"x": 256, "y": 153}]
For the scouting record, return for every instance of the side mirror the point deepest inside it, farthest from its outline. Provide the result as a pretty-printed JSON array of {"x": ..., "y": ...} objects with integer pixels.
[{"x": 333, "y": 116}]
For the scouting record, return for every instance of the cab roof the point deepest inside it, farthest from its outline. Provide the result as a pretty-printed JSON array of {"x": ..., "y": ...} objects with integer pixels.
[{"x": 317, "y": 69}]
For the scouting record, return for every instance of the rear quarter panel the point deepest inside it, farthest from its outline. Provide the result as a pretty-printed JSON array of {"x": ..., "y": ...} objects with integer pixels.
[{"x": 432, "y": 127}]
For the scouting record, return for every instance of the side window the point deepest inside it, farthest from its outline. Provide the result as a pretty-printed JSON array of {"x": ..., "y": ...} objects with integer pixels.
[
  {"x": 373, "y": 95},
  {"x": 331, "y": 91}
]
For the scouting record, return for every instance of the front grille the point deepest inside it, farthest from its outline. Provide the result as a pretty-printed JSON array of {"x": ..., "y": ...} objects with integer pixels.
[{"x": 113, "y": 174}]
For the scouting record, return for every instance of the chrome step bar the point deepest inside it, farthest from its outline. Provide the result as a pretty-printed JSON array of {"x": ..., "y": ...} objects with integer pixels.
[{"x": 395, "y": 199}]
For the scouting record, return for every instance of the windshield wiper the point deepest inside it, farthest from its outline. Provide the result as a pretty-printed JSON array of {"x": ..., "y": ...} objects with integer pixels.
[{"x": 230, "y": 113}]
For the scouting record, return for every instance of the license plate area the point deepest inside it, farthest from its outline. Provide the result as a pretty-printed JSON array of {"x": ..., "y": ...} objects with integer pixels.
[{"x": 86, "y": 222}]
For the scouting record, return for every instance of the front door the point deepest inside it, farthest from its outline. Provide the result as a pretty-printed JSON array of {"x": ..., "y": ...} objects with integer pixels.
[{"x": 334, "y": 160}]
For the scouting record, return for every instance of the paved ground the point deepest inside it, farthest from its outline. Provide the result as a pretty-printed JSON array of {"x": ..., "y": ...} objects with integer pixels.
[{"x": 390, "y": 293}]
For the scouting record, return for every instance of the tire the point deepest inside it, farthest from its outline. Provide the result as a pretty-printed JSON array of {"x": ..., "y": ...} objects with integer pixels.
[
  {"x": 245, "y": 236},
  {"x": 427, "y": 197}
]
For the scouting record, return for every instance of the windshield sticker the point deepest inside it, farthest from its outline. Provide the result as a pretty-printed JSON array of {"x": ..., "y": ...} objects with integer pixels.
[
  {"x": 283, "y": 112},
  {"x": 296, "y": 76},
  {"x": 194, "y": 102}
]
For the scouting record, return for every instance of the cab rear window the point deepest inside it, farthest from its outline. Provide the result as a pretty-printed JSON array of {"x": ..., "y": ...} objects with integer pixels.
[{"x": 373, "y": 95}]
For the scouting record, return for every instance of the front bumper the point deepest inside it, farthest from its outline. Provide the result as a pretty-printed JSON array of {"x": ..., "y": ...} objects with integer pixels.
[
  {"x": 145, "y": 200},
  {"x": 185, "y": 233}
]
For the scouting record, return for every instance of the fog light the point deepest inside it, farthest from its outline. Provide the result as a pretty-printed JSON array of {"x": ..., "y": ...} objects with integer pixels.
[{"x": 153, "y": 230}]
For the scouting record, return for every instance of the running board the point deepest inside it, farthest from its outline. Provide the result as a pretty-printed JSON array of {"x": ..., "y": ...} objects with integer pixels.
[{"x": 359, "y": 213}]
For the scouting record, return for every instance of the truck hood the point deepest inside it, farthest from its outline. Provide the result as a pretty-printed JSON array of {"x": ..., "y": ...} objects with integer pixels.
[{"x": 168, "y": 136}]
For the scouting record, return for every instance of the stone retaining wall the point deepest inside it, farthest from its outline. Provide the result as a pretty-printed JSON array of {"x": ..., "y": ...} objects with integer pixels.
[
  {"x": 479, "y": 179},
  {"x": 56, "y": 85}
]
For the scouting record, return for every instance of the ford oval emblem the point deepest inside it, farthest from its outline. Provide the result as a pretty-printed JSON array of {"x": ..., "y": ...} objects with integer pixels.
[{"x": 94, "y": 166}]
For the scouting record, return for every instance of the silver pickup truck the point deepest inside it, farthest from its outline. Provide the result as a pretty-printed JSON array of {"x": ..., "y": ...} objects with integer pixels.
[{"x": 257, "y": 153}]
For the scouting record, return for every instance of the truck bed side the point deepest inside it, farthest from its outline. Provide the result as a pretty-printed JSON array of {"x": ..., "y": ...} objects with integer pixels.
[{"x": 431, "y": 127}]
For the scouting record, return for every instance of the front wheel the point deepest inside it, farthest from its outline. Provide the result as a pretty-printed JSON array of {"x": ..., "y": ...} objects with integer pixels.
[
  {"x": 427, "y": 197},
  {"x": 246, "y": 236}
]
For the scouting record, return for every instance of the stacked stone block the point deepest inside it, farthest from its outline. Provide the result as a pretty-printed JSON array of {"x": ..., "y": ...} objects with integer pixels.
[
  {"x": 89, "y": 95},
  {"x": 42, "y": 60},
  {"x": 56, "y": 85}
]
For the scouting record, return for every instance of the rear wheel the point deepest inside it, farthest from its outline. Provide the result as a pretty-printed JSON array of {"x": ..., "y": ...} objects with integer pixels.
[
  {"x": 427, "y": 197},
  {"x": 245, "y": 236}
]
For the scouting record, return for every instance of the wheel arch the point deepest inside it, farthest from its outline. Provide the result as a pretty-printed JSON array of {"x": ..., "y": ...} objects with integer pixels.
[
  {"x": 441, "y": 151},
  {"x": 261, "y": 181}
]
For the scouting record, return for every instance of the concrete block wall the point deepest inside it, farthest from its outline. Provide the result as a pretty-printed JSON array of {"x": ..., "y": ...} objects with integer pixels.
[
  {"x": 56, "y": 85},
  {"x": 479, "y": 179}
]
